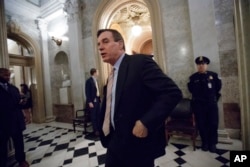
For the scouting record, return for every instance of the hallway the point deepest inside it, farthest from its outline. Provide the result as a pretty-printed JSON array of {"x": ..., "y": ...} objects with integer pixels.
[
  {"x": 174, "y": 32},
  {"x": 56, "y": 145}
]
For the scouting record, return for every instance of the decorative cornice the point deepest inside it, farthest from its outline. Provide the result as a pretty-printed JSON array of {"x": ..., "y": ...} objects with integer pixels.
[
  {"x": 22, "y": 8},
  {"x": 42, "y": 24},
  {"x": 72, "y": 9},
  {"x": 50, "y": 8},
  {"x": 13, "y": 26}
]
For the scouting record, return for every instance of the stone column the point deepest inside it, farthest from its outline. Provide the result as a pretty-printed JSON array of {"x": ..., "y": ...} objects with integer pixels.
[
  {"x": 76, "y": 51},
  {"x": 242, "y": 25},
  {"x": 42, "y": 25},
  {"x": 205, "y": 43},
  {"x": 4, "y": 57}
]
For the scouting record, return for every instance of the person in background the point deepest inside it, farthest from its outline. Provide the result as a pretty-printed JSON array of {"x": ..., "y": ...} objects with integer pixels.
[
  {"x": 26, "y": 103},
  {"x": 12, "y": 121},
  {"x": 205, "y": 86},
  {"x": 93, "y": 99},
  {"x": 135, "y": 107}
]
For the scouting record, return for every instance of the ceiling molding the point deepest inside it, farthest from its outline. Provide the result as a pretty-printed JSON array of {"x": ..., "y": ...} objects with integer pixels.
[
  {"x": 51, "y": 7},
  {"x": 22, "y": 8},
  {"x": 31, "y": 11}
]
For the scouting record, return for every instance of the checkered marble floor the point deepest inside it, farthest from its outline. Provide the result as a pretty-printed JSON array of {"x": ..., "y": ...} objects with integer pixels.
[{"x": 56, "y": 145}]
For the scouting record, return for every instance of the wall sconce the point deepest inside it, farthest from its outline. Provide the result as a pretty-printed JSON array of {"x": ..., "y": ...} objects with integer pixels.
[{"x": 57, "y": 41}]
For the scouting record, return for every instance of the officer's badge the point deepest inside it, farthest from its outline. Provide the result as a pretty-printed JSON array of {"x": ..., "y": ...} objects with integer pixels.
[
  {"x": 209, "y": 85},
  {"x": 211, "y": 77}
]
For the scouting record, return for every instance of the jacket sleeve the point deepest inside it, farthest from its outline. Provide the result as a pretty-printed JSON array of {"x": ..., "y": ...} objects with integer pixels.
[
  {"x": 190, "y": 85},
  {"x": 218, "y": 86},
  {"x": 87, "y": 91},
  {"x": 165, "y": 93},
  {"x": 218, "y": 83}
]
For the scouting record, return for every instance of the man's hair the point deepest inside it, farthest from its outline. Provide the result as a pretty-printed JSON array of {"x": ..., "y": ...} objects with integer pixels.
[
  {"x": 4, "y": 70},
  {"x": 25, "y": 87},
  {"x": 92, "y": 71},
  {"x": 116, "y": 35}
]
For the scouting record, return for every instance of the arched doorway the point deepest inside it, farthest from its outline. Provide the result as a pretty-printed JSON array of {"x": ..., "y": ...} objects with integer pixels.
[{"x": 25, "y": 63}]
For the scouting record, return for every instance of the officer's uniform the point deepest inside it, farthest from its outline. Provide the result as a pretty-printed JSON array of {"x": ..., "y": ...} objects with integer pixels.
[{"x": 205, "y": 89}]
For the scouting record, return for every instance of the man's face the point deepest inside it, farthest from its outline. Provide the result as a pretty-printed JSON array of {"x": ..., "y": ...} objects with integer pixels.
[
  {"x": 96, "y": 74},
  {"x": 5, "y": 76},
  {"x": 109, "y": 50},
  {"x": 202, "y": 68}
]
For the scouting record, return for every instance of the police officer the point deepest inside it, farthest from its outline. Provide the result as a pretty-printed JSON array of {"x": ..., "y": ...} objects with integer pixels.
[{"x": 205, "y": 86}]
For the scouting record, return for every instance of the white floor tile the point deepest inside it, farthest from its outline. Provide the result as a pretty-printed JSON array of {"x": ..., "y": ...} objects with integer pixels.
[{"x": 61, "y": 133}]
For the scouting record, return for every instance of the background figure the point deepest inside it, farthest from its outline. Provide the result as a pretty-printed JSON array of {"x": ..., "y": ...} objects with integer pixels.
[
  {"x": 205, "y": 86},
  {"x": 26, "y": 103},
  {"x": 93, "y": 99},
  {"x": 142, "y": 97},
  {"x": 11, "y": 120}
]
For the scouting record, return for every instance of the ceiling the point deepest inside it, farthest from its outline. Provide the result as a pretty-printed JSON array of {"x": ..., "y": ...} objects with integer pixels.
[
  {"x": 131, "y": 14},
  {"x": 32, "y": 9},
  {"x": 37, "y": 3}
]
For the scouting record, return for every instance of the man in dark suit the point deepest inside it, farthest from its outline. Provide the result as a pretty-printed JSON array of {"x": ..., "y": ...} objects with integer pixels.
[
  {"x": 93, "y": 99},
  {"x": 205, "y": 87},
  {"x": 142, "y": 98},
  {"x": 12, "y": 121}
]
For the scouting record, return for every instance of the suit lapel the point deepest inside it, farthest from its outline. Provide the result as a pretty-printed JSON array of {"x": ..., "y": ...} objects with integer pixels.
[
  {"x": 93, "y": 83},
  {"x": 121, "y": 78}
]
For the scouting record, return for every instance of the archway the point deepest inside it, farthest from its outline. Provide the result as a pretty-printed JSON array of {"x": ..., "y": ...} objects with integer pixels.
[{"x": 34, "y": 62}]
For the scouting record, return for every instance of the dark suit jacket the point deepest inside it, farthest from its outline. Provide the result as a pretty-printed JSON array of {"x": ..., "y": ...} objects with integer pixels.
[
  {"x": 11, "y": 116},
  {"x": 90, "y": 90},
  {"x": 143, "y": 92}
]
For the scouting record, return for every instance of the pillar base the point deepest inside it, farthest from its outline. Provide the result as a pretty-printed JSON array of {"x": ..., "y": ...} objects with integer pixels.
[
  {"x": 50, "y": 119},
  {"x": 223, "y": 137}
]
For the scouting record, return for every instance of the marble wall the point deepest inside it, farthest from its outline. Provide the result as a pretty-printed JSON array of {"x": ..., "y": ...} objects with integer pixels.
[
  {"x": 55, "y": 52},
  {"x": 55, "y": 68},
  {"x": 178, "y": 41},
  {"x": 89, "y": 59},
  {"x": 59, "y": 67},
  {"x": 224, "y": 15}
]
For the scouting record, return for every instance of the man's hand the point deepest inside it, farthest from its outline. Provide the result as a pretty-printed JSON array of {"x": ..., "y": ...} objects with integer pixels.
[
  {"x": 140, "y": 130},
  {"x": 91, "y": 105}
]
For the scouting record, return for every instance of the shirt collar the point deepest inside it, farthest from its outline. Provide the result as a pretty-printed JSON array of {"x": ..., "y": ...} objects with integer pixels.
[
  {"x": 1, "y": 83},
  {"x": 118, "y": 62},
  {"x": 4, "y": 84},
  {"x": 94, "y": 78}
]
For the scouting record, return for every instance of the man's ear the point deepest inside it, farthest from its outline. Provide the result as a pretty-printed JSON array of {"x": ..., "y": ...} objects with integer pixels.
[{"x": 121, "y": 44}]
